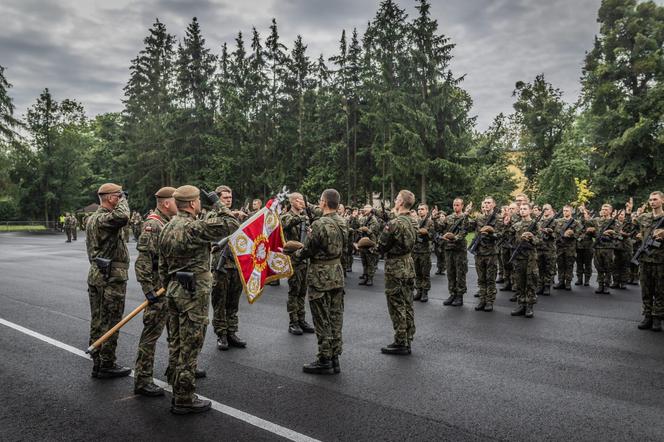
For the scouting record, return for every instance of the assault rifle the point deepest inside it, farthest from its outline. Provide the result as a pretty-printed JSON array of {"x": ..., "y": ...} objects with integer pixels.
[
  {"x": 476, "y": 241},
  {"x": 547, "y": 224},
  {"x": 608, "y": 226},
  {"x": 649, "y": 243},
  {"x": 568, "y": 225},
  {"x": 423, "y": 223},
  {"x": 310, "y": 217},
  {"x": 531, "y": 228}
]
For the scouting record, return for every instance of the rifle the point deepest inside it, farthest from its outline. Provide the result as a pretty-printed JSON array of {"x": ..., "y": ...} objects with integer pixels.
[
  {"x": 649, "y": 243},
  {"x": 303, "y": 225},
  {"x": 476, "y": 241},
  {"x": 104, "y": 266},
  {"x": 550, "y": 221},
  {"x": 531, "y": 228},
  {"x": 567, "y": 225},
  {"x": 422, "y": 224},
  {"x": 385, "y": 217},
  {"x": 608, "y": 226}
]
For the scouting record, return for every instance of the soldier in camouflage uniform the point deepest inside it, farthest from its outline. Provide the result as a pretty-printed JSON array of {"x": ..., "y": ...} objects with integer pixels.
[
  {"x": 546, "y": 250},
  {"x": 566, "y": 231},
  {"x": 397, "y": 242},
  {"x": 155, "y": 314},
  {"x": 438, "y": 246},
  {"x": 226, "y": 286},
  {"x": 525, "y": 263},
  {"x": 486, "y": 255},
  {"x": 501, "y": 263},
  {"x": 295, "y": 224},
  {"x": 422, "y": 254},
  {"x": 70, "y": 227},
  {"x": 184, "y": 269},
  {"x": 507, "y": 244},
  {"x": 652, "y": 265},
  {"x": 353, "y": 223},
  {"x": 325, "y": 279},
  {"x": 107, "y": 286},
  {"x": 604, "y": 245},
  {"x": 584, "y": 250},
  {"x": 622, "y": 254},
  {"x": 454, "y": 230},
  {"x": 369, "y": 228},
  {"x": 136, "y": 224}
]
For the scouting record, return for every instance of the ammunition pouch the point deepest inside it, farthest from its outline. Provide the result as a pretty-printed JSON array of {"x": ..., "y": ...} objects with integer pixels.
[
  {"x": 104, "y": 266},
  {"x": 187, "y": 281}
]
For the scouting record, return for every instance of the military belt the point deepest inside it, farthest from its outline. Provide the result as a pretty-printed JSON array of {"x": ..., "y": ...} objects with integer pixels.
[
  {"x": 119, "y": 265},
  {"x": 326, "y": 261}
]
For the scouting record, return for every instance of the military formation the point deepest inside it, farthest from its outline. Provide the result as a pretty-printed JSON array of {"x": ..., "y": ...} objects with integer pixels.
[{"x": 522, "y": 246}]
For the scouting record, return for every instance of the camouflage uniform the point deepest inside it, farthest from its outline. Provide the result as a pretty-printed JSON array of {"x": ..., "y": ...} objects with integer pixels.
[
  {"x": 584, "y": 254},
  {"x": 507, "y": 243},
  {"x": 397, "y": 241},
  {"x": 622, "y": 254},
  {"x": 155, "y": 315},
  {"x": 136, "y": 225},
  {"x": 107, "y": 296},
  {"x": 546, "y": 255},
  {"x": 566, "y": 249},
  {"x": 652, "y": 272},
  {"x": 456, "y": 256},
  {"x": 369, "y": 256},
  {"x": 325, "y": 279},
  {"x": 439, "y": 249},
  {"x": 525, "y": 265},
  {"x": 184, "y": 246},
  {"x": 486, "y": 258},
  {"x": 292, "y": 223},
  {"x": 422, "y": 256},
  {"x": 604, "y": 247}
]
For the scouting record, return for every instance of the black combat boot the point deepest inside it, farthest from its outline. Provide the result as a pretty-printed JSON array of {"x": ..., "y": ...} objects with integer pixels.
[
  {"x": 235, "y": 341},
  {"x": 222, "y": 343},
  {"x": 560, "y": 285},
  {"x": 656, "y": 324},
  {"x": 425, "y": 296},
  {"x": 579, "y": 280},
  {"x": 500, "y": 280},
  {"x": 507, "y": 288},
  {"x": 418, "y": 295},
  {"x": 540, "y": 290},
  {"x": 306, "y": 327},
  {"x": 319, "y": 366},
  {"x": 363, "y": 276},
  {"x": 200, "y": 374},
  {"x": 587, "y": 281},
  {"x": 568, "y": 286},
  {"x": 107, "y": 371},
  {"x": 95, "y": 367},
  {"x": 480, "y": 307},
  {"x": 600, "y": 289},
  {"x": 529, "y": 311},
  {"x": 622, "y": 286},
  {"x": 646, "y": 324},
  {"x": 335, "y": 365},
  {"x": 295, "y": 329},
  {"x": 363, "y": 281},
  {"x": 449, "y": 300},
  {"x": 514, "y": 298},
  {"x": 396, "y": 349},
  {"x": 458, "y": 301},
  {"x": 615, "y": 285},
  {"x": 547, "y": 290},
  {"x": 195, "y": 406},
  {"x": 488, "y": 307},
  {"x": 149, "y": 390},
  {"x": 438, "y": 272},
  {"x": 369, "y": 281},
  {"x": 476, "y": 295},
  {"x": 519, "y": 311}
]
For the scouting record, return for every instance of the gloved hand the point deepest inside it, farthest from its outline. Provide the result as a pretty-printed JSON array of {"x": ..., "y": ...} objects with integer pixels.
[
  {"x": 211, "y": 199},
  {"x": 151, "y": 297}
]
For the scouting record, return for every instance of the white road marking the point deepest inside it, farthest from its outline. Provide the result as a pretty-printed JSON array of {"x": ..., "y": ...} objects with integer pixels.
[{"x": 225, "y": 409}]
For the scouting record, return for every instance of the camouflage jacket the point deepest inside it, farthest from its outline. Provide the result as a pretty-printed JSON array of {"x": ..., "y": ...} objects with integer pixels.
[
  {"x": 548, "y": 240},
  {"x": 646, "y": 222},
  {"x": 324, "y": 246},
  {"x": 585, "y": 240},
  {"x": 423, "y": 242},
  {"x": 459, "y": 242},
  {"x": 373, "y": 224},
  {"x": 105, "y": 239},
  {"x": 397, "y": 241},
  {"x": 626, "y": 233},
  {"x": 488, "y": 241},
  {"x": 232, "y": 224},
  {"x": 528, "y": 248},
  {"x": 605, "y": 241},
  {"x": 292, "y": 223},
  {"x": 563, "y": 242},
  {"x": 147, "y": 262},
  {"x": 184, "y": 245}
]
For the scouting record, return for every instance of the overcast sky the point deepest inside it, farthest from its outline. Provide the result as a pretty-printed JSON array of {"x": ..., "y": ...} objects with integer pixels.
[{"x": 82, "y": 49}]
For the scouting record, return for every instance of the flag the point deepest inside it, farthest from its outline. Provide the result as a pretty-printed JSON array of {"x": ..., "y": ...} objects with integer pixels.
[{"x": 257, "y": 247}]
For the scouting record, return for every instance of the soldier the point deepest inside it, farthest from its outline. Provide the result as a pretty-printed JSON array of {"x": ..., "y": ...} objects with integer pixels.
[
  {"x": 136, "y": 224},
  {"x": 651, "y": 265},
  {"x": 184, "y": 269},
  {"x": 74, "y": 227},
  {"x": 295, "y": 224},
  {"x": 622, "y": 254},
  {"x": 347, "y": 256},
  {"x": 604, "y": 227},
  {"x": 256, "y": 205},
  {"x": 507, "y": 244},
  {"x": 369, "y": 228},
  {"x": 584, "y": 249},
  {"x": 67, "y": 227},
  {"x": 325, "y": 278},
  {"x": 486, "y": 255},
  {"x": 438, "y": 246},
  {"x": 454, "y": 230},
  {"x": 107, "y": 277},
  {"x": 566, "y": 232},
  {"x": 226, "y": 286},
  {"x": 422, "y": 253},
  {"x": 155, "y": 314},
  {"x": 546, "y": 250},
  {"x": 397, "y": 241},
  {"x": 525, "y": 262},
  {"x": 501, "y": 264}
]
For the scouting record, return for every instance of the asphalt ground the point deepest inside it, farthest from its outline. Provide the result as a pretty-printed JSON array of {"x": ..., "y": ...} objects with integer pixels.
[{"x": 579, "y": 370}]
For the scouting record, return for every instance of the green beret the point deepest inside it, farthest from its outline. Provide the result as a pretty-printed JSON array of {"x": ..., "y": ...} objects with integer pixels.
[{"x": 186, "y": 193}]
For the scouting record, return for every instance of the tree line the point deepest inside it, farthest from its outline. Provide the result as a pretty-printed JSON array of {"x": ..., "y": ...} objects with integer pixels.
[{"x": 385, "y": 112}]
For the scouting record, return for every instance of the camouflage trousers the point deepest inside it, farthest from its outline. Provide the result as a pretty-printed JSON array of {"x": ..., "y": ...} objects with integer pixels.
[
  {"x": 297, "y": 292},
  {"x": 604, "y": 266},
  {"x": 621, "y": 270},
  {"x": 136, "y": 230},
  {"x": 501, "y": 265},
  {"x": 369, "y": 262},
  {"x": 457, "y": 267},
  {"x": 584, "y": 262},
  {"x": 226, "y": 293},
  {"x": 508, "y": 267},
  {"x": 106, "y": 307},
  {"x": 69, "y": 233},
  {"x": 399, "y": 294},
  {"x": 347, "y": 260},
  {"x": 527, "y": 279},
  {"x": 327, "y": 312},
  {"x": 652, "y": 289},
  {"x": 422, "y": 270},
  {"x": 155, "y": 318},
  {"x": 546, "y": 266},
  {"x": 188, "y": 318},
  {"x": 440, "y": 258},
  {"x": 565, "y": 260},
  {"x": 487, "y": 268}
]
